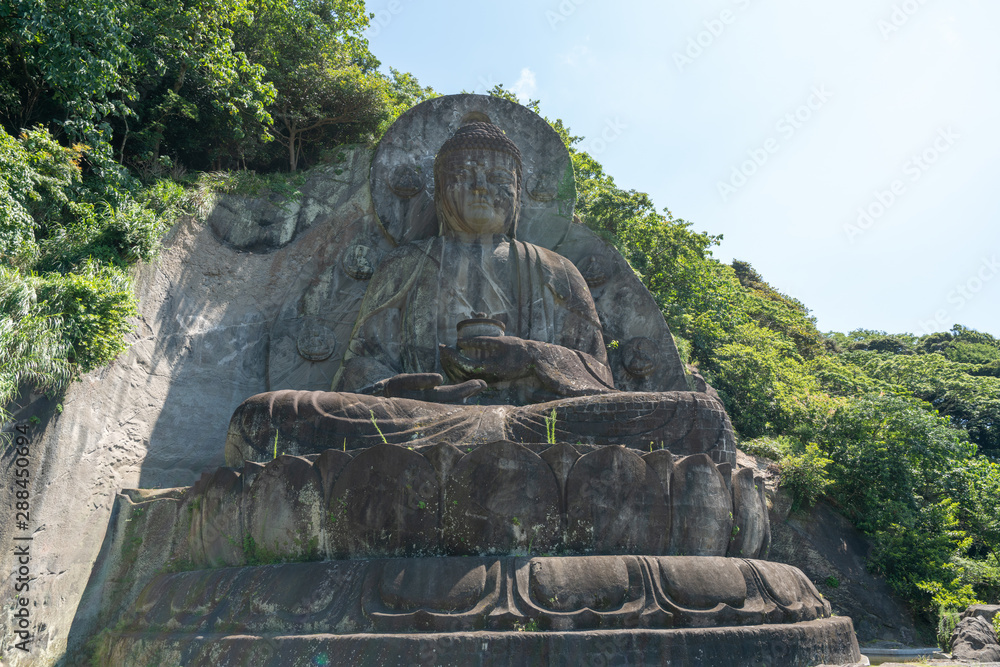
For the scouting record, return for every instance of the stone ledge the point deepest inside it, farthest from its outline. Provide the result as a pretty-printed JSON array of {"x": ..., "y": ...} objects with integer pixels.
[
  {"x": 829, "y": 641},
  {"x": 467, "y": 594}
]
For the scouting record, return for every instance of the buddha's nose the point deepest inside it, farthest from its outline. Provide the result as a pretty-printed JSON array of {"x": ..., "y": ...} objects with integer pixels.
[{"x": 479, "y": 181}]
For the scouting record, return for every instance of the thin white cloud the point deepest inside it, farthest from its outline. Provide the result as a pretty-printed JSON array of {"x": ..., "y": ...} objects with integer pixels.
[
  {"x": 576, "y": 56},
  {"x": 526, "y": 85}
]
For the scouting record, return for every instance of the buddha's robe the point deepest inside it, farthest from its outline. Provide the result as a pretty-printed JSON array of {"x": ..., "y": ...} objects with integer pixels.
[
  {"x": 413, "y": 304},
  {"x": 423, "y": 290}
]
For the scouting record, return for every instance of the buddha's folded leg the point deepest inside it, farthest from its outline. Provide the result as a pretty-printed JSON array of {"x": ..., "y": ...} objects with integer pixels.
[
  {"x": 682, "y": 422},
  {"x": 310, "y": 422}
]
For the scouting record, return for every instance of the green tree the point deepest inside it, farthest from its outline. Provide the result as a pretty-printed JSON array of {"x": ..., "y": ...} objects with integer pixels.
[
  {"x": 404, "y": 92},
  {"x": 196, "y": 96},
  {"x": 328, "y": 89}
]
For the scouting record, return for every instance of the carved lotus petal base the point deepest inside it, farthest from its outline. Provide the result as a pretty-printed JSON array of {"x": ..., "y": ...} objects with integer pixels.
[
  {"x": 498, "y": 498},
  {"x": 630, "y": 609}
]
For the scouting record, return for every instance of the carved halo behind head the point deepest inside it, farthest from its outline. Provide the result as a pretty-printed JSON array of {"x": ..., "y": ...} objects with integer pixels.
[{"x": 402, "y": 173}]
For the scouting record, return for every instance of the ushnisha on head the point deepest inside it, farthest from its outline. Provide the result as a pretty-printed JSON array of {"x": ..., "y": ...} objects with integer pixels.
[{"x": 477, "y": 178}]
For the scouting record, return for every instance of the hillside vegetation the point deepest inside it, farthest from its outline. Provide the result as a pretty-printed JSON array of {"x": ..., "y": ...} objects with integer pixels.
[{"x": 117, "y": 117}]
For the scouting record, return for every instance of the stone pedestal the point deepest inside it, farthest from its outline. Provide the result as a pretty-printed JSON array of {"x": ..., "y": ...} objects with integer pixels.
[{"x": 590, "y": 610}]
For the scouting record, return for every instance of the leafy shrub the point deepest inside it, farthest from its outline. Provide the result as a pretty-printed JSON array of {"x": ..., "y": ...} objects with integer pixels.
[
  {"x": 96, "y": 306},
  {"x": 805, "y": 475},
  {"x": 766, "y": 447},
  {"x": 79, "y": 230},
  {"x": 32, "y": 347},
  {"x": 947, "y": 622},
  {"x": 762, "y": 380}
]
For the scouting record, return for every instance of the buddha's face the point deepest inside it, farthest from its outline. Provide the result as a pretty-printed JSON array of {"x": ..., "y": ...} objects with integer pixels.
[{"x": 479, "y": 192}]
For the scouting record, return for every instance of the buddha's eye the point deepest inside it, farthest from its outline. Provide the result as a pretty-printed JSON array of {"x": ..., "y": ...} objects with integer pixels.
[
  {"x": 462, "y": 174},
  {"x": 501, "y": 177}
]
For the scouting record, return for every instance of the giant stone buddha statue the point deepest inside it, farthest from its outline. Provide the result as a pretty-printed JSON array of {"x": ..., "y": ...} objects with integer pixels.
[
  {"x": 473, "y": 336},
  {"x": 488, "y": 460}
]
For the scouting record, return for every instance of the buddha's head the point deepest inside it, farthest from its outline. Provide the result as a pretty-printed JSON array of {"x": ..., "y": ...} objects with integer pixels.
[{"x": 477, "y": 180}]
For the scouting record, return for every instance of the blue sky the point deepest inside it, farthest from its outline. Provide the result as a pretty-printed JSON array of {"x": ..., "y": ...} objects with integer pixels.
[{"x": 849, "y": 150}]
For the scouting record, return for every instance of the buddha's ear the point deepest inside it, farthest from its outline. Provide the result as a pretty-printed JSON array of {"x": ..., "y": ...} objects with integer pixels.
[{"x": 511, "y": 227}]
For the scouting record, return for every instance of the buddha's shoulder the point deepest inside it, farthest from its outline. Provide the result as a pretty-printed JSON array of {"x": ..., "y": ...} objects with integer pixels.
[{"x": 551, "y": 259}]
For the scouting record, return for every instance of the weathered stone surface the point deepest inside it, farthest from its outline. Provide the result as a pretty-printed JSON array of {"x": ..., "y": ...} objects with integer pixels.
[
  {"x": 567, "y": 585},
  {"x": 975, "y": 639},
  {"x": 629, "y": 315},
  {"x": 329, "y": 465},
  {"x": 447, "y": 585},
  {"x": 561, "y": 458},
  {"x": 648, "y": 610},
  {"x": 662, "y": 461},
  {"x": 832, "y": 554},
  {"x": 615, "y": 503},
  {"x": 148, "y": 534},
  {"x": 703, "y": 583},
  {"x": 823, "y": 641},
  {"x": 701, "y": 510},
  {"x": 984, "y": 611},
  {"x": 269, "y": 222},
  {"x": 683, "y": 423},
  {"x": 501, "y": 498},
  {"x": 469, "y": 593},
  {"x": 216, "y": 533},
  {"x": 386, "y": 502},
  {"x": 749, "y": 514},
  {"x": 284, "y": 511},
  {"x": 406, "y": 153}
]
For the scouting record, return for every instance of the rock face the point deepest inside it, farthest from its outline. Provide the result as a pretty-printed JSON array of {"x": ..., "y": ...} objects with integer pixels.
[
  {"x": 808, "y": 643},
  {"x": 986, "y": 612},
  {"x": 832, "y": 553},
  {"x": 975, "y": 639}
]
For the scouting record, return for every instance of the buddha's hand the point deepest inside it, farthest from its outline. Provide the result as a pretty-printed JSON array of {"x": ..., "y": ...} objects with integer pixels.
[
  {"x": 559, "y": 370},
  {"x": 491, "y": 358},
  {"x": 428, "y": 387}
]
